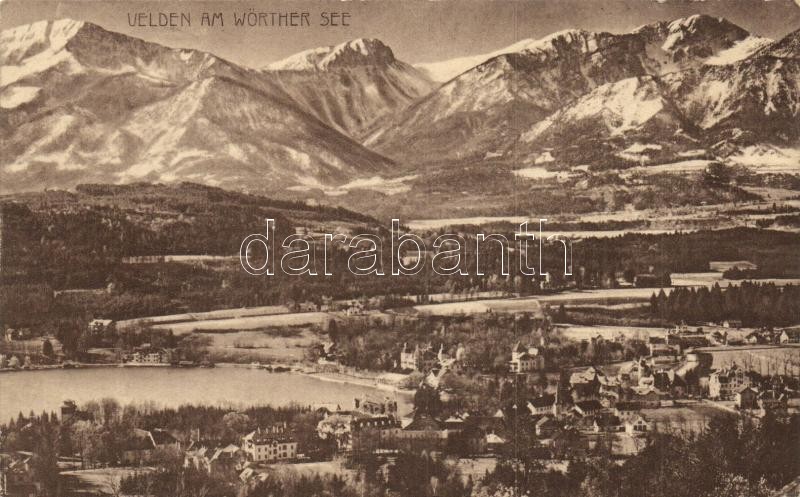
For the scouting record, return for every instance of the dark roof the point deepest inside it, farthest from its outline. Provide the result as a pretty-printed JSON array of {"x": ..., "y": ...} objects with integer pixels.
[
  {"x": 372, "y": 422},
  {"x": 424, "y": 422},
  {"x": 603, "y": 420},
  {"x": 139, "y": 443},
  {"x": 264, "y": 437},
  {"x": 543, "y": 401},
  {"x": 589, "y": 405},
  {"x": 274, "y": 438}
]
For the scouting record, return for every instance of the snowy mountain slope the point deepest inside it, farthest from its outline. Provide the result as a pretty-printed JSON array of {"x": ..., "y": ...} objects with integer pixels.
[
  {"x": 486, "y": 108},
  {"x": 672, "y": 41},
  {"x": 742, "y": 94},
  {"x": 614, "y": 109},
  {"x": 445, "y": 70},
  {"x": 630, "y": 120},
  {"x": 740, "y": 50},
  {"x": 681, "y": 44},
  {"x": 703, "y": 70},
  {"x": 81, "y": 103},
  {"x": 759, "y": 94},
  {"x": 350, "y": 85},
  {"x": 358, "y": 52}
]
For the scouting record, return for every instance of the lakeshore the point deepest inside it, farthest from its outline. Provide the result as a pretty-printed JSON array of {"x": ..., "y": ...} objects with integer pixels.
[{"x": 234, "y": 385}]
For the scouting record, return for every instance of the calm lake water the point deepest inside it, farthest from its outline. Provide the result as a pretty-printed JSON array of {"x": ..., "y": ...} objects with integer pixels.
[{"x": 46, "y": 390}]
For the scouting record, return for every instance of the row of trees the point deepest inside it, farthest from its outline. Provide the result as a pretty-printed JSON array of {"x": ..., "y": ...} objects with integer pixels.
[{"x": 752, "y": 303}]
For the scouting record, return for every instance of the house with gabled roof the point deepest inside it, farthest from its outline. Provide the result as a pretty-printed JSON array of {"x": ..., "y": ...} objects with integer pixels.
[
  {"x": 544, "y": 404},
  {"x": 525, "y": 359},
  {"x": 636, "y": 425},
  {"x": 494, "y": 442}
]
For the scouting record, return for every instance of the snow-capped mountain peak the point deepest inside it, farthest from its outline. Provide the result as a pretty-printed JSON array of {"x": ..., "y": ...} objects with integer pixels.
[
  {"x": 584, "y": 40},
  {"x": 358, "y": 52},
  {"x": 700, "y": 73},
  {"x": 448, "y": 69},
  {"x": 306, "y": 60},
  {"x": 696, "y": 36},
  {"x": 33, "y": 48},
  {"x": 688, "y": 29},
  {"x": 87, "y": 104},
  {"x": 27, "y": 40}
]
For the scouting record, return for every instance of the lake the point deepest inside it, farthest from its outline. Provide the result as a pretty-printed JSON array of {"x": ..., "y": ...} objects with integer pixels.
[{"x": 46, "y": 390}]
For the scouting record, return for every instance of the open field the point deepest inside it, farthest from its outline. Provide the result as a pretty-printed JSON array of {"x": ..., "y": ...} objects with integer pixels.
[
  {"x": 609, "y": 332},
  {"x": 711, "y": 278},
  {"x": 249, "y": 323},
  {"x": 94, "y": 481},
  {"x": 335, "y": 467},
  {"x": 764, "y": 359},
  {"x": 685, "y": 166},
  {"x": 660, "y": 220},
  {"x": 684, "y": 418},
  {"x": 278, "y": 316},
  {"x": 259, "y": 345},
  {"x": 202, "y": 316},
  {"x": 533, "y": 304}
]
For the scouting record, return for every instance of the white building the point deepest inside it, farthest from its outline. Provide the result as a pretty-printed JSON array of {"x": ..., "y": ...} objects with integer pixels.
[{"x": 269, "y": 445}]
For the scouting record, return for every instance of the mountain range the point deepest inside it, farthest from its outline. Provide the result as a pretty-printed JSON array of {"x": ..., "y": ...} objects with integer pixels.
[
  {"x": 699, "y": 76},
  {"x": 81, "y": 104}
]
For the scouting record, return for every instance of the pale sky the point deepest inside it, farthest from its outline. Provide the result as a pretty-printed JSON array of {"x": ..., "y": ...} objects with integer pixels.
[{"x": 417, "y": 30}]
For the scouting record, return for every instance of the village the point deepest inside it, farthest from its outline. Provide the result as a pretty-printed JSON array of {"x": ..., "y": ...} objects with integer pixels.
[{"x": 682, "y": 381}]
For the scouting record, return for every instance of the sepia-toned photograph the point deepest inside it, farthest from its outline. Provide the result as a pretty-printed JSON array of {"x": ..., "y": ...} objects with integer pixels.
[{"x": 400, "y": 248}]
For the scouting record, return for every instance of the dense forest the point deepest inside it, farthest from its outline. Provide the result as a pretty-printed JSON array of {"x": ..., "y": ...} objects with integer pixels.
[
  {"x": 755, "y": 305},
  {"x": 73, "y": 240}
]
